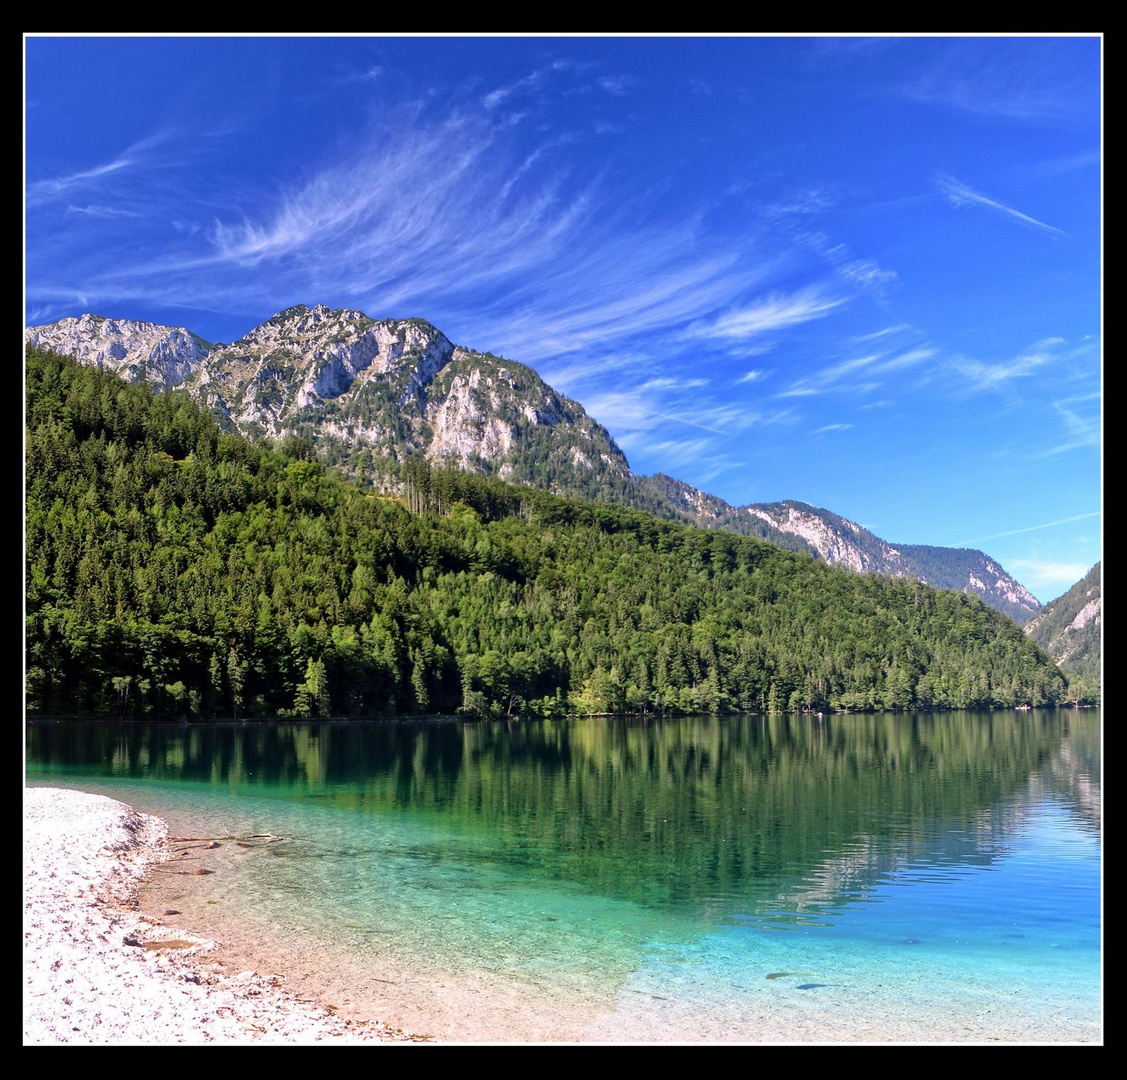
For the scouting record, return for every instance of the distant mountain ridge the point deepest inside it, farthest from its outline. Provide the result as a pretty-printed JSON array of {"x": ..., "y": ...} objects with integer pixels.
[
  {"x": 164, "y": 355},
  {"x": 369, "y": 394},
  {"x": 842, "y": 542}
]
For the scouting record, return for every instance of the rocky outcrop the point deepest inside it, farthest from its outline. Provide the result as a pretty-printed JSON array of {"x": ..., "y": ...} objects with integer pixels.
[
  {"x": 396, "y": 388},
  {"x": 1069, "y": 627},
  {"x": 164, "y": 355},
  {"x": 303, "y": 357}
]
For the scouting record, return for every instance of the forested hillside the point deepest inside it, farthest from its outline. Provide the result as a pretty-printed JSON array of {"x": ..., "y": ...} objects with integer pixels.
[
  {"x": 177, "y": 570},
  {"x": 370, "y": 395},
  {"x": 1069, "y": 630}
]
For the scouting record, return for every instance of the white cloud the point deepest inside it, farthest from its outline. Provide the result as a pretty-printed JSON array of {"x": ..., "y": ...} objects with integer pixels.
[
  {"x": 790, "y": 217},
  {"x": 959, "y": 195},
  {"x": 862, "y": 339},
  {"x": 836, "y": 371},
  {"x": 45, "y": 189},
  {"x": 1079, "y": 431},
  {"x": 867, "y": 275},
  {"x": 137, "y": 156},
  {"x": 1034, "y": 528},
  {"x": 618, "y": 84},
  {"x": 907, "y": 359},
  {"x": 369, "y": 74},
  {"x": 96, "y": 211},
  {"x": 984, "y": 376},
  {"x": 775, "y": 311},
  {"x": 1068, "y": 164},
  {"x": 1023, "y": 80},
  {"x": 1047, "y": 576},
  {"x": 667, "y": 383}
]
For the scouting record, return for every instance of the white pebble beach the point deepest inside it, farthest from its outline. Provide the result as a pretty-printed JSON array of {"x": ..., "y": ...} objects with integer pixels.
[{"x": 94, "y": 971}]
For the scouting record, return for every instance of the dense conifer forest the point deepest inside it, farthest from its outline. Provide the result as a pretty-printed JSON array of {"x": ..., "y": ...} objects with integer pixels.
[{"x": 177, "y": 571}]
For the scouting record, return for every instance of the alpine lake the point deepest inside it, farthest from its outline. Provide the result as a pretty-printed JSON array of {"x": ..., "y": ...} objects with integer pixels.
[{"x": 916, "y": 878}]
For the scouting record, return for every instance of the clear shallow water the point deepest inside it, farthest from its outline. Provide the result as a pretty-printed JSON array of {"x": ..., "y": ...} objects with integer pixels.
[{"x": 759, "y": 878}]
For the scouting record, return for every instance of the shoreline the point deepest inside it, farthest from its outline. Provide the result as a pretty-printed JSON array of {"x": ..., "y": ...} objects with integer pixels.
[
  {"x": 106, "y": 961},
  {"x": 96, "y": 971}
]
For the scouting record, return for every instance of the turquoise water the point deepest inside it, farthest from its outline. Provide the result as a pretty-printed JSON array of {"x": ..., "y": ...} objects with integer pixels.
[{"x": 888, "y": 877}]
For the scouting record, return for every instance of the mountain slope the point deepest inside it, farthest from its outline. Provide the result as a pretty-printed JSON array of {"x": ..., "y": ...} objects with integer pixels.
[
  {"x": 844, "y": 543},
  {"x": 176, "y": 571},
  {"x": 1069, "y": 627},
  {"x": 369, "y": 395}
]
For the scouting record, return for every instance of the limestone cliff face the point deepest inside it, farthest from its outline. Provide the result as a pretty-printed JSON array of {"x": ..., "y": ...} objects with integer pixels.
[
  {"x": 996, "y": 582},
  {"x": 164, "y": 355},
  {"x": 836, "y": 545},
  {"x": 1069, "y": 628}
]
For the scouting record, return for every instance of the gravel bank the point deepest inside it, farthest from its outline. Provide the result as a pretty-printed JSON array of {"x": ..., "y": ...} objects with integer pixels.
[{"x": 95, "y": 971}]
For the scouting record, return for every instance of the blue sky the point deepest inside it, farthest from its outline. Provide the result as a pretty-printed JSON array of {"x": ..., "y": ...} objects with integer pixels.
[{"x": 864, "y": 273}]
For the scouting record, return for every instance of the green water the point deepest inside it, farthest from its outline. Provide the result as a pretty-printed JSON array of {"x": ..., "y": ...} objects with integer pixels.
[{"x": 924, "y": 878}]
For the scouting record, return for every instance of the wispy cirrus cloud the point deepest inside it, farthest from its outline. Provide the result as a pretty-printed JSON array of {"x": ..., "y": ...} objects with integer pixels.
[
  {"x": 533, "y": 81},
  {"x": 442, "y": 213},
  {"x": 980, "y": 375},
  {"x": 841, "y": 376},
  {"x": 755, "y": 375},
  {"x": 42, "y": 190},
  {"x": 1033, "y": 528},
  {"x": 868, "y": 276},
  {"x": 700, "y": 456},
  {"x": 906, "y": 359},
  {"x": 659, "y": 402},
  {"x": 137, "y": 156},
  {"x": 1013, "y": 83},
  {"x": 1057, "y": 166},
  {"x": 776, "y": 311},
  {"x": 96, "y": 211},
  {"x": 368, "y": 74},
  {"x": 846, "y": 367},
  {"x": 619, "y": 84},
  {"x": 792, "y": 217},
  {"x": 1048, "y": 577},
  {"x": 457, "y": 219},
  {"x": 1079, "y": 431},
  {"x": 861, "y": 339},
  {"x": 959, "y": 195}
]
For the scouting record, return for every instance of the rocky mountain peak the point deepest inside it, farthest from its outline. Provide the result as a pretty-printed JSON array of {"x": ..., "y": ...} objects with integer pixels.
[{"x": 165, "y": 355}]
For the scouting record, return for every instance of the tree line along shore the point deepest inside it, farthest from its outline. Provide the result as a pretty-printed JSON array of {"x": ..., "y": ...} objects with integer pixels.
[{"x": 178, "y": 571}]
